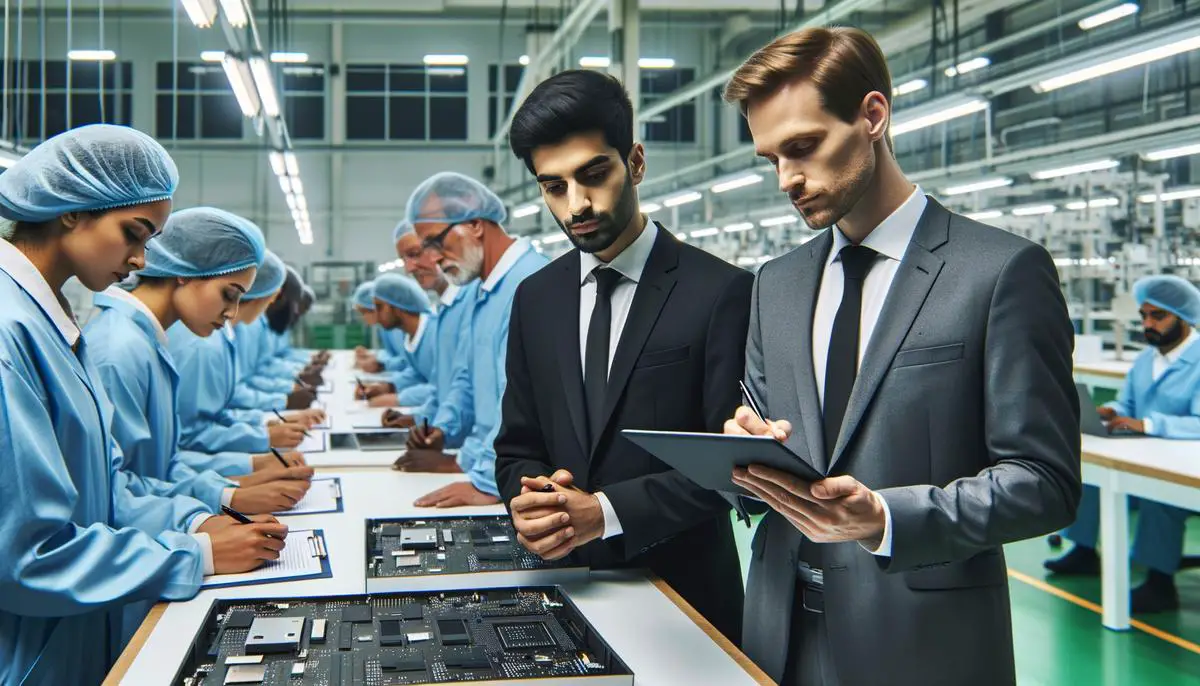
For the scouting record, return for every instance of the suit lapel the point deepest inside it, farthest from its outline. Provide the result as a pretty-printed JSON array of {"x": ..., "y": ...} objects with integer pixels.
[
  {"x": 566, "y": 337},
  {"x": 914, "y": 279},
  {"x": 805, "y": 287},
  {"x": 648, "y": 301}
]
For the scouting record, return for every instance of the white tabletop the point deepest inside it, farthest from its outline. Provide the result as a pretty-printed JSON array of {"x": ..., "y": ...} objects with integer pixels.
[{"x": 1177, "y": 461}]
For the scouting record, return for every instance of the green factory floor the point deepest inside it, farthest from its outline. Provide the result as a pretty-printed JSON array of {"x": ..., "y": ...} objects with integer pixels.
[{"x": 1059, "y": 643}]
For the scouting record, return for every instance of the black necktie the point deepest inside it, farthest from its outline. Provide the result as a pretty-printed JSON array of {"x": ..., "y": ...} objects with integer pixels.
[
  {"x": 595, "y": 358},
  {"x": 841, "y": 368}
]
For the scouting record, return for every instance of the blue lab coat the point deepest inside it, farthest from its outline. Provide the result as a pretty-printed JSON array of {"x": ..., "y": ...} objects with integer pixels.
[
  {"x": 392, "y": 356},
  {"x": 207, "y": 380},
  {"x": 454, "y": 329},
  {"x": 1172, "y": 404},
  {"x": 414, "y": 385},
  {"x": 485, "y": 373},
  {"x": 141, "y": 381},
  {"x": 255, "y": 391},
  {"x": 75, "y": 547}
]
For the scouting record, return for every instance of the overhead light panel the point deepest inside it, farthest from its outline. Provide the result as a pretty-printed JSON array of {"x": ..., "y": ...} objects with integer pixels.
[
  {"x": 285, "y": 184},
  {"x": 739, "y": 227},
  {"x": 1099, "y": 165},
  {"x": 656, "y": 63},
  {"x": 289, "y": 161},
  {"x": 910, "y": 87},
  {"x": 91, "y": 55},
  {"x": 977, "y": 186},
  {"x": 651, "y": 207},
  {"x": 297, "y": 186},
  {"x": 1112, "y": 66},
  {"x": 446, "y": 60},
  {"x": 277, "y": 164},
  {"x": 212, "y": 55},
  {"x": 1171, "y": 153},
  {"x": 778, "y": 221},
  {"x": 235, "y": 12},
  {"x": 1077, "y": 205},
  {"x": 266, "y": 88},
  {"x": 984, "y": 215},
  {"x": 202, "y": 12},
  {"x": 289, "y": 57},
  {"x": 594, "y": 62},
  {"x": 681, "y": 236},
  {"x": 523, "y": 60},
  {"x": 739, "y": 182},
  {"x": 242, "y": 84},
  {"x": 682, "y": 199},
  {"x": 1032, "y": 210},
  {"x": 704, "y": 233},
  {"x": 968, "y": 66},
  {"x": 1110, "y": 15},
  {"x": 526, "y": 211},
  {"x": 1169, "y": 196},
  {"x": 938, "y": 117}
]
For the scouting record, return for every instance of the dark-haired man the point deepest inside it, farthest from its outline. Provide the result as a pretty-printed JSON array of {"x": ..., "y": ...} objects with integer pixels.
[{"x": 631, "y": 329}]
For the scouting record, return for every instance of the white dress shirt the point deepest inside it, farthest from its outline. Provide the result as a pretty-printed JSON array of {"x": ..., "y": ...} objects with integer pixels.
[
  {"x": 1163, "y": 362},
  {"x": 411, "y": 342},
  {"x": 630, "y": 263},
  {"x": 890, "y": 240},
  {"x": 446, "y": 299}
]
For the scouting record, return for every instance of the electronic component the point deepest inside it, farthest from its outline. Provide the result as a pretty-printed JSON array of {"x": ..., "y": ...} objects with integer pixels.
[
  {"x": 420, "y": 636},
  {"x": 357, "y": 613},
  {"x": 275, "y": 635},
  {"x": 318, "y": 631},
  {"x": 244, "y": 659},
  {"x": 391, "y": 632},
  {"x": 395, "y": 663},
  {"x": 453, "y": 632},
  {"x": 419, "y": 539},
  {"x": 524, "y": 635},
  {"x": 246, "y": 674},
  {"x": 239, "y": 619},
  {"x": 298, "y": 669}
]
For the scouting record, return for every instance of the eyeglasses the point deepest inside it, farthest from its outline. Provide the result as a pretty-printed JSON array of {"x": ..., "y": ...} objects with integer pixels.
[{"x": 436, "y": 243}]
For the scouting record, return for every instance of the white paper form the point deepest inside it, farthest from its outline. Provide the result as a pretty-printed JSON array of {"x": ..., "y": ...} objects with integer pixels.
[
  {"x": 314, "y": 442},
  {"x": 323, "y": 496},
  {"x": 301, "y": 556}
]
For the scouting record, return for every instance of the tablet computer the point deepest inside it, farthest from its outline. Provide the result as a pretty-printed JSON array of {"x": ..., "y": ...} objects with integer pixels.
[
  {"x": 709, "y": 459},
  {"x": 388, "y": 439}
]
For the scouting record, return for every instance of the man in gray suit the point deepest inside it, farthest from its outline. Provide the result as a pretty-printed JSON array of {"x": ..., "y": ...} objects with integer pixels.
[{"x": 920, "y": 360}]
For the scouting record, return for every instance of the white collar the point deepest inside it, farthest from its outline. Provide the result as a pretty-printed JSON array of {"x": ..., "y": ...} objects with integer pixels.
[
  {"x": 27, "y": 276},
  {"x": 513, "y": 253},
  {"x": 1173, "y": 356},
  {"x": 118, "y": 293},
  {"x": 630, "y": 263},
  {"x": 447, "y": 297},
  {"x": 892, "y": 236},
  {"x": 411, "y": 342}
]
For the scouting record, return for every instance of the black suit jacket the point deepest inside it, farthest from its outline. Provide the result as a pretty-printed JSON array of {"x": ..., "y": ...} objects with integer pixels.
[{"x": 676, "y": 367}]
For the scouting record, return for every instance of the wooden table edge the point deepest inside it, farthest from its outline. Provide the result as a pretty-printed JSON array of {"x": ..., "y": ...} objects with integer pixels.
[
  {"x": 1141, "y": 470},
  {"x": 1093, "y": 371},
  {"x": 134, "y": 648}
]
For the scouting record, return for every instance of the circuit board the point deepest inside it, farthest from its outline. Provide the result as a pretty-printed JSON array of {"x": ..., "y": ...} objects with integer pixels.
[
  {"x": 413, "y": 638},
  {"x": 446, "y": 553}
]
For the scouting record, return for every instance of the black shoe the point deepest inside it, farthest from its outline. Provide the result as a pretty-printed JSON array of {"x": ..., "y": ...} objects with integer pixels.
[
  {"x": 1149, "y": 598},
  {"x": 1080, "y": 561}
]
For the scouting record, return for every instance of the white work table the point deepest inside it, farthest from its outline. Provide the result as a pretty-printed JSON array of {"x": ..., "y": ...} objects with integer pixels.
[
  {"x": 1107, "y": 372},
  {"x": 1156, "y": 469}
]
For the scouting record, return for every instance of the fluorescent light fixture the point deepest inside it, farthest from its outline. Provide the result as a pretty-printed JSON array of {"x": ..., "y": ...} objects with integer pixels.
[
  {"x": 266, "y": 89},
  {"x": 1084, "y": 168},
  {"x": 968, "y": 66},
  {"x": 289, "y": 57},
  {"x": 651, "y": 207},
  {"x": 302, "y": 204},
  {"x": 1077, "y": 205},
  {"x": 445, "y": 60},
  {"x": 985, "y": 214},
  {"x": 977, "y": 186},
  {"x": 594, "y": 62},
  {"x": 746, "y": 261},
  {"x": 446, "y": 71},
  {"x": 939, "y": 117},
  {"x": 739, "y": 227},
  {"x": 526, "y": 211},
  {"x": 235, "y": 12},
  {"x": 91, "y": 55},
  {"x": 703, "y": 233},
  {"x": 285, "y": 185},
  {"x": 767, "y": 258},
  {"x": 212, "y": 55},
  {"x": 291, "y": 202},
  {"x": 297, "y": 186},
  {"x": 277, "y": 164},
  {"x": 1119, "y": 64},
  {"x": 1178, "y": 194},
  {"x": 553, "y": 238},
  {"x": 1032, "y": 210},
  {"x": 656, "y": 63},
  {"x": 681, "y": 236},
  {"x": 910, "y": 87},
  {"x": 682, "y": 199},
  {"x": 1170, "y": 153},
  {"x": 1101, "y": 18},
  {"x": 739, "y": 182},
  {"x": 289, "y": 160},
  {"x": 201, "y": 12},
  {"x": 523, "y": 60},
  {"x": 778, "y": 221},
  {"x": 242, "y": 84}
]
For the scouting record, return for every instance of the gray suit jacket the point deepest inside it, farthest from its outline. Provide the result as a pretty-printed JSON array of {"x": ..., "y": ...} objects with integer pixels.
[{"x": 966, "y": 420}]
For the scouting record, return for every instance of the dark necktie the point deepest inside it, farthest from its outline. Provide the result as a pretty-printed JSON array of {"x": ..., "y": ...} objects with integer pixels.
[
  {"x": 595, "y": 365},
  {"x": 841, "y": 368}
]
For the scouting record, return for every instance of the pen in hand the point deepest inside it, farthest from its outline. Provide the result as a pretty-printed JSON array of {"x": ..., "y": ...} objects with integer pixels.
[
  {"x": 241, "y": 518},
  {"x": 280, "y": 458},
  {"x": 750, "y": 401},
  {"x": 281, "y": 417}
]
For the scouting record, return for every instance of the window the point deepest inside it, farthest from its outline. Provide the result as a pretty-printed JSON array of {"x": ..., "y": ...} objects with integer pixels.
[
  {"x": 678, "y": 124},
  {"x": 406, "y": 102},
  {"x": 304, "y": 101},
  {"x": 204, "y": 106},
  {"x": 512, "y": 78},
  {"x": 100, "y": 92},
  {"x": 744, "y": 135}
]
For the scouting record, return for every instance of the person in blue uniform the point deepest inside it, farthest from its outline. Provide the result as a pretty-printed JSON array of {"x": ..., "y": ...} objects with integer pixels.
[
  {"x": 461, "y": 221},
  {"x": 256, "y": 368},
  {"x": 76, "y": 549},
  {"x": 1161, "y": 398},
  {"x": 401, "y": 305},
  {"x": 196, "y": 272}
]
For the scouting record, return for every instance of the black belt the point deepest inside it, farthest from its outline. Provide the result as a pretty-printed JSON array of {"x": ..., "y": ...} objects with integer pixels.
[{"x": 811, "y": 587}]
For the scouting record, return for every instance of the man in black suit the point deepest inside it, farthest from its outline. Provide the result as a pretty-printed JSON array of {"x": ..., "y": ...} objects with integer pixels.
[{"x": 631, "y": 329}]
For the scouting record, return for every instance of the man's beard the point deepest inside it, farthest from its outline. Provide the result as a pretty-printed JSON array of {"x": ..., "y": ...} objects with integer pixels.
[
  {"x": 469, "y": 268},
  {"x": 609, "y": 226},
  {"x": 840, "y": 200},
  {"x": 1170, "y": 337}
]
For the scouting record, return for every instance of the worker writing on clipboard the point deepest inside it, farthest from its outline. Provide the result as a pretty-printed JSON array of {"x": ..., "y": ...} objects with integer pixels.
[{"x": 920, "y": 360}]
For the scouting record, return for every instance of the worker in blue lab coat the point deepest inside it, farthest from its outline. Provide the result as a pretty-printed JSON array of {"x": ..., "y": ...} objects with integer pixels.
[
  {"x": 210, "y": 418},
  {"x": 452, "y": 311},
  {"x": 254, "y": 338},
  {"x": 401, "y": 305},
  {"x": 76, "y": 549},
  {"x": 280, "y": 348},
  {"x": 363, "y": 302},
  {"x": 276, "y": 359},
  {"x": 460, "y": 220},
  {"x": 1161, "y": 398}
]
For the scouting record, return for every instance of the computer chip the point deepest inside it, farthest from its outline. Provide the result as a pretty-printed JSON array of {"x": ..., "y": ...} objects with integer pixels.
[{"x": 524, "y": 635}]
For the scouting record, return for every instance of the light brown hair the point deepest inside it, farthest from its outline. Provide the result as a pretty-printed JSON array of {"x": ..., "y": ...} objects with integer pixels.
[{"x": 844, "y": 63}]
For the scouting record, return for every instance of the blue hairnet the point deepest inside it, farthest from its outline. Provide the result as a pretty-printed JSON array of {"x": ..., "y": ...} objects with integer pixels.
[
  {"x": 450, "y": 198},
  {"x": 1172, "y": 293},
  {"x": 203, "y": 241},
  {"x": 405, "y": 227},
  {"x": 97, "y": 167},
  {"x": 402, "y": 292},
  {"x": 364, "y": 296},
  {"x": 271, "y": 275}
]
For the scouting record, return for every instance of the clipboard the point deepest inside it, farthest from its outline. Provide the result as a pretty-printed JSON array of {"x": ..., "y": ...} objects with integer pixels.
[
  {"x": 312, "y": 545},
  {"x": 304, "y": 507},
  {"x": 708, "y": 460}
]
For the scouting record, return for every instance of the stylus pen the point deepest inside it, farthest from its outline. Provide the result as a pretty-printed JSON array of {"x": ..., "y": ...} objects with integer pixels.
[{"x": 750, "y": 402}]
